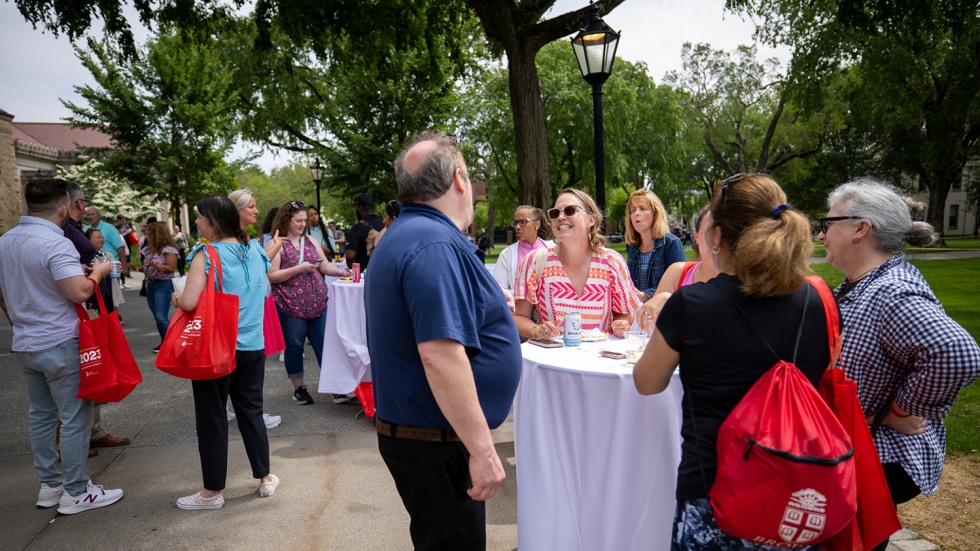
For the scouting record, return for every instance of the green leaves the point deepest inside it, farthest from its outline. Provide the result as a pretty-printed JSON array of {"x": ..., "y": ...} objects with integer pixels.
[{"x": 170, "y": 111}]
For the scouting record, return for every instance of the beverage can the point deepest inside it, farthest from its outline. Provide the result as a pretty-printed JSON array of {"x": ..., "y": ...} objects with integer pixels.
[
  {"x": 116, "y": 270},
  {"x": 573, "y": 329},
  {"x": 355, "y": 270}
]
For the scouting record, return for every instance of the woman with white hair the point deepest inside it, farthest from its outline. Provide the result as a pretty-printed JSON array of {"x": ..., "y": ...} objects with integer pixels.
[{"x": 908, "y": 358}]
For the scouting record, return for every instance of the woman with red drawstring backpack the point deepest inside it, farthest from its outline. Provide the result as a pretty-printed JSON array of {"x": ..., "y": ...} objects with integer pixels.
[{"x": 725, "y": 332}]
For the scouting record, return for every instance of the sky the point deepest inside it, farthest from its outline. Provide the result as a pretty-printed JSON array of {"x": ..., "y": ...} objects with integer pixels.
[{"x": 38, "y": 70}]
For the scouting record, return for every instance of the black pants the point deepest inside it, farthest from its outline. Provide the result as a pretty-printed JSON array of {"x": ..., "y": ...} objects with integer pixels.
[
  {"x": 432, "y": 479},
  {"x": 244, "y": 385},
  {"x": 901, "y": 486},
  {"x": 181, "y": 260}
]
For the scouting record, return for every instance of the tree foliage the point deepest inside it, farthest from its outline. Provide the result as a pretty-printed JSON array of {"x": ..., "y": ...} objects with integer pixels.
[
  {"x": 104, "y": 190},
  {"x": 918, "y": 93},
  {"x": 170, "y": 112}
]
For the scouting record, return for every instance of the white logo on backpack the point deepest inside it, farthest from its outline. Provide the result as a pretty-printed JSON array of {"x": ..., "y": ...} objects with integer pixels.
[{"x": 804, "y": 518}]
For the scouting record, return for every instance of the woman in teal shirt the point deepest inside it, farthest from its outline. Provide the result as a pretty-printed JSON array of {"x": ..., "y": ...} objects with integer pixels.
[{"x": 243, "y": 273}]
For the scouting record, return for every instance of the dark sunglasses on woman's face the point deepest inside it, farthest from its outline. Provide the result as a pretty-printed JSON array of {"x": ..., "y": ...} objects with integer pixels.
[
  {"x": 569, "y": 211},
  {"x": 520, "y": 222}
]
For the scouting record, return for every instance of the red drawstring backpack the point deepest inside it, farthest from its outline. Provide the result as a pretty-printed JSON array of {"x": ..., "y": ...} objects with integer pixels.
[{"x": 786, "y": 474}]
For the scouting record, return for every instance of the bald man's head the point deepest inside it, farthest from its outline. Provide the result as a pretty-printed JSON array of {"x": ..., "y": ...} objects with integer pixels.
[
  {"x": 93, "y": 215},
  {"x": 425, "y": 169}
]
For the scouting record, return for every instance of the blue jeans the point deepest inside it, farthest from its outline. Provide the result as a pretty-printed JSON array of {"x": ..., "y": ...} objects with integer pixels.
[
  {"x": 295, "y": 331},
  {"x": 158, "y": 294},
  {"x": 52, "y": 377}
]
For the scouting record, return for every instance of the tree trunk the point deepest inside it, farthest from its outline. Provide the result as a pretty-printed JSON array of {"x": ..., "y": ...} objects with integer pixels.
[
  {"x": 522, "y": 31},
  {"x": 531, "y": 138},
  {"x": 938, "y": 192}
]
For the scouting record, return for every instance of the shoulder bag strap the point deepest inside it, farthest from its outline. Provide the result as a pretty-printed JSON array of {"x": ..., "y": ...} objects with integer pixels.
[
  {"x": 688, "y": 266},
  {"x": 215, "y": 267}
]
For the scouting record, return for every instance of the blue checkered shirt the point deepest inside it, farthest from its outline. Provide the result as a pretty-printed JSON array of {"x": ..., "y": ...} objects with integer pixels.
[{"x": 899, "y": 343}]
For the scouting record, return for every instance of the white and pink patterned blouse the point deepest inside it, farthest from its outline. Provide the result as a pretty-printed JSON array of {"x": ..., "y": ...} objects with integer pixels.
[{"x": 608, "y": 290}]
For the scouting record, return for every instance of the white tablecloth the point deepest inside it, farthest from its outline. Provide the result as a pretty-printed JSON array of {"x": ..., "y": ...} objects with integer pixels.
[
  {"x": 596, "y": 461},
  {"x": 345, "y": 354}
]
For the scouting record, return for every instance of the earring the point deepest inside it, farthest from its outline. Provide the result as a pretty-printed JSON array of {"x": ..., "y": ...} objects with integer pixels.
[
  {"x": 715, "y": 250},
  {"x": 855, "y": 240}
]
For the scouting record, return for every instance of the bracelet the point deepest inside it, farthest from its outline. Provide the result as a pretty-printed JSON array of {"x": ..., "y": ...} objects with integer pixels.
[{"x": 895, "y": 411}]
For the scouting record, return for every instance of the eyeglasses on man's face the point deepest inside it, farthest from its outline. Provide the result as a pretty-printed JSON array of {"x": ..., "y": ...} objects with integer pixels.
[
  {"x": 825, "y": 221},
  {"x": 569, "y": 211},
  {"x": 520, "y": 222}
]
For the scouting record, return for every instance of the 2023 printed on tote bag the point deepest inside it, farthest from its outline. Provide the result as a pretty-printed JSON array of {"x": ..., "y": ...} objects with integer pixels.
[{"x": 200, "y": 344}]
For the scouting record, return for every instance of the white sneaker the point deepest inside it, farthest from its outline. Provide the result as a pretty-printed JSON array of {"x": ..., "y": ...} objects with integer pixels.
[
  {"x": 93, "y": 498},
  {"x": 49, "y": 496},
  {"x": 271, "y": 421},
  {"x": 231, "y": 412},
  {"x": 197, "y": 503}
]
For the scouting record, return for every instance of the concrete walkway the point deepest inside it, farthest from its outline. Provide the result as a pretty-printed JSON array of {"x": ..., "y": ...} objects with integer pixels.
[{"x": 336, "y": 492}]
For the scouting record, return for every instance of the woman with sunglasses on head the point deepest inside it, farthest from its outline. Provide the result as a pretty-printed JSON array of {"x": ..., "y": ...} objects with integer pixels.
[
  {"x": 243, "y": 273},
  {"x": 908, "y": 358},
  {"x": 718, "y": 332},
  {"x": 650, "y": 247},
  {"x": 300, "y": 292},
  {"x": 578, "y": 274},
  {"x": 532, "y": 231}
]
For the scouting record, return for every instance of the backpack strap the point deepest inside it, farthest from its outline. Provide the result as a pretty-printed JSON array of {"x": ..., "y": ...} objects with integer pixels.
[{"x": 799, "y": 330}]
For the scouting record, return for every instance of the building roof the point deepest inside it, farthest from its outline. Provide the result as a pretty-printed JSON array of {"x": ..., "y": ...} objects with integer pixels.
[{"x": 60, "y": 136}]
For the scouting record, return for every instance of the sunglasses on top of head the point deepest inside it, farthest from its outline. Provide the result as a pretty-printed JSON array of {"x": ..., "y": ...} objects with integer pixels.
[{"x": 569, "y": 211}]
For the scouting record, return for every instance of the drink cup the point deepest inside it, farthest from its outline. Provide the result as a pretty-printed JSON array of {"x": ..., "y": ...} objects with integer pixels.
[{"x": 636, "y": 342}]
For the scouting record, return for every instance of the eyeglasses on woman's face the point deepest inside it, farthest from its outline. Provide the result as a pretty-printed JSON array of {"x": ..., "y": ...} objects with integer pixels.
[
  {"x": 825, "y": 221},
  {"x": 568, "y": 211},
  {"x": 520, "y": 222}
]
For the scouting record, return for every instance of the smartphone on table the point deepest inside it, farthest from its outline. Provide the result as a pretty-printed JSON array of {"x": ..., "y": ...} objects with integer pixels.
[{"x": 546, "y": 343}]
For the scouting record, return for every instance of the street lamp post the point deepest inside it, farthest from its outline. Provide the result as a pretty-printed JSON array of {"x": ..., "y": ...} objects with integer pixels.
[
  {"x": 317, "y": 170},
  {"x": 595, "y": 48}
]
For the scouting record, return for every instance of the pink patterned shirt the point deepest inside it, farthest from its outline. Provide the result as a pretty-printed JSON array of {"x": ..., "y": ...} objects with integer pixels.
[{"x": 608, "y": 290}]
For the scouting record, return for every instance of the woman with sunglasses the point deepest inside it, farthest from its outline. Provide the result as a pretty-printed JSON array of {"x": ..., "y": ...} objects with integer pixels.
[
  {"x": 300, "y": 292},
  {"x": 243, "y": 273},
  {"x": 718, "y": 333},
  {"x": 908, "y": 358},
  {"x": 578, "y": 274},
  {"x": 650, "y": 247},
  {"x": 532, "y": 231}
]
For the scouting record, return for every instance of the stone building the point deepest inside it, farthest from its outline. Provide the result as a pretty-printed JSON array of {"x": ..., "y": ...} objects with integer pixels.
[{"x": 32, "y": 149}]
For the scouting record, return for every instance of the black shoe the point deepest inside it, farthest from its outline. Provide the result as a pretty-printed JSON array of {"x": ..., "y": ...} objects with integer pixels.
[
  {"x": 344, "y": 398},
  {"x": 157, "y": 347},
  {"x": 302, "y": 397}
]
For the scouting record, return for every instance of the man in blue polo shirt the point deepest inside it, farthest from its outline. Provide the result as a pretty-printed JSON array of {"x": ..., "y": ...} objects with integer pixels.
[{"x": 444, "y": 349}]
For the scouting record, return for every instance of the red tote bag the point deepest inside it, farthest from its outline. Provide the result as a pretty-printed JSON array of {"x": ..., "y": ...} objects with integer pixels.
[
  {"x": 108, "y": 371},
  {"x": 876, "y": 517},
  {"x": 200, "y": 345}
]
